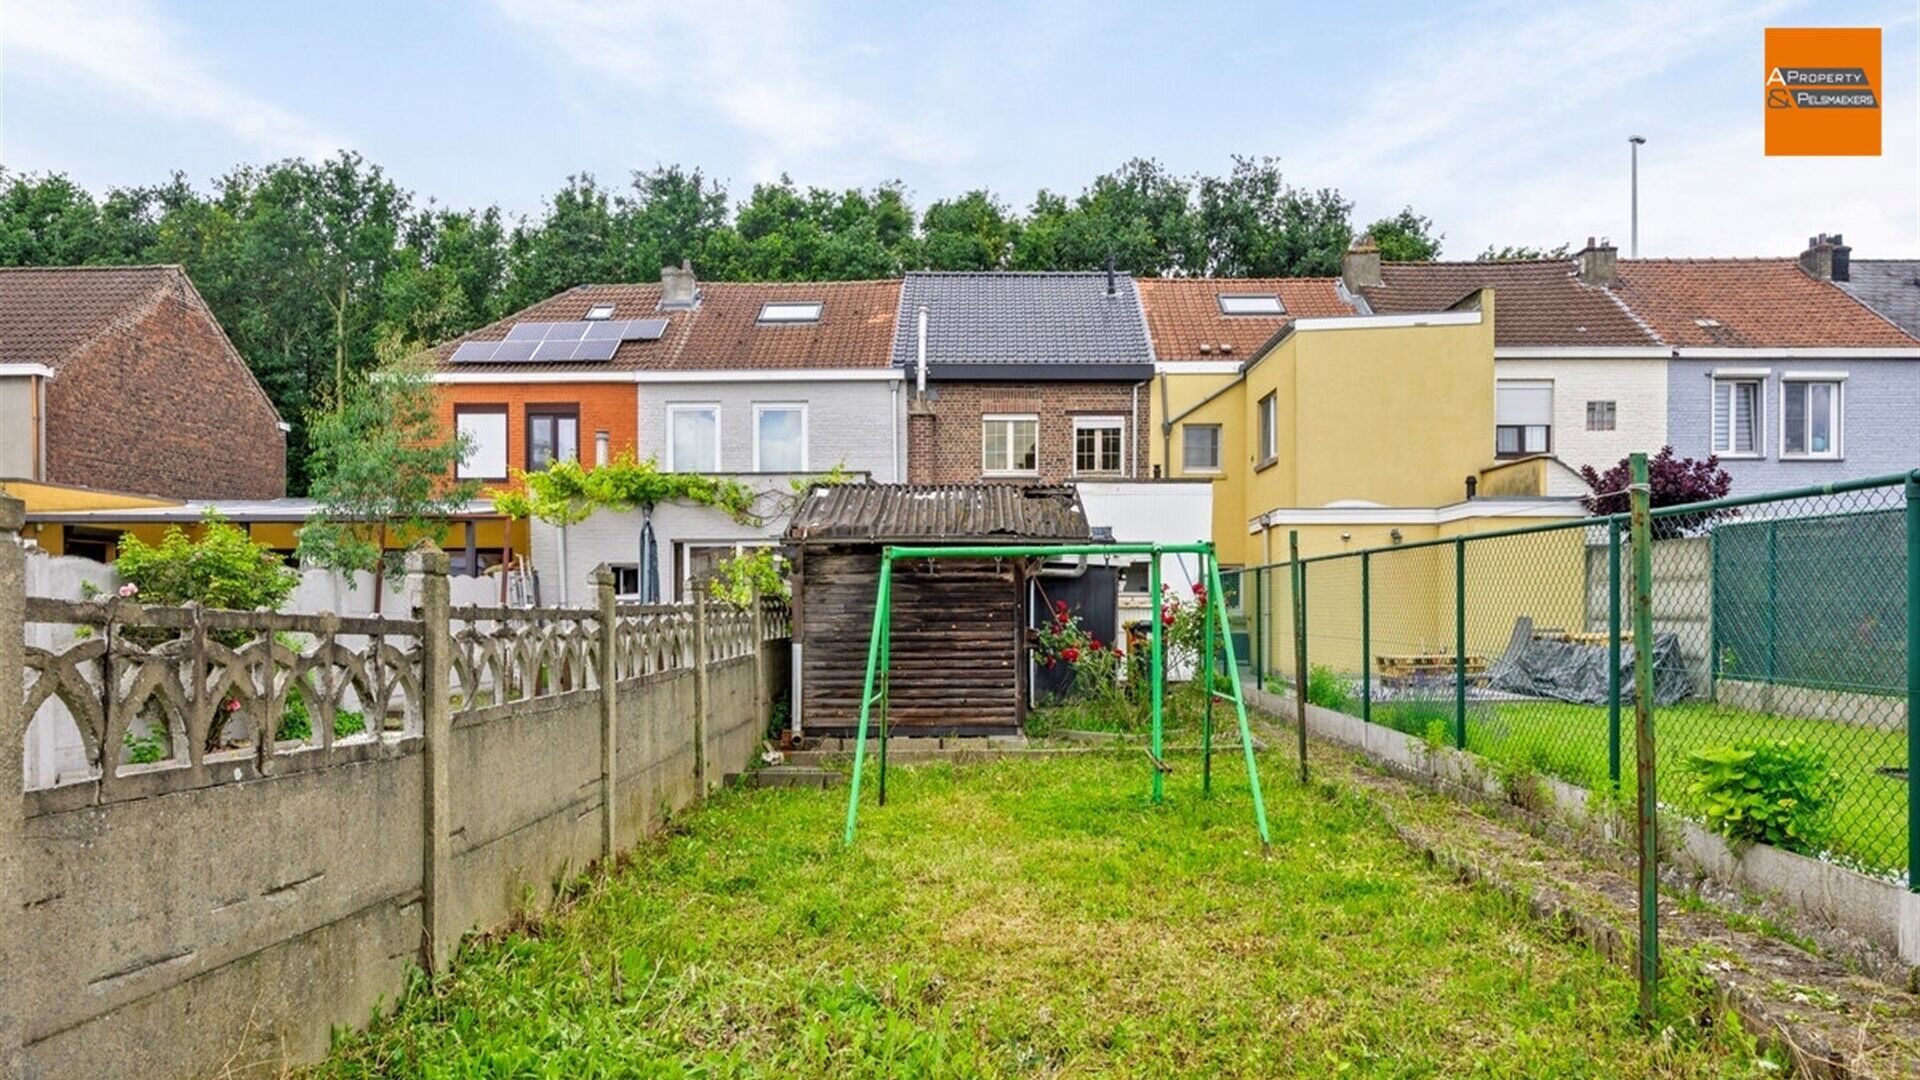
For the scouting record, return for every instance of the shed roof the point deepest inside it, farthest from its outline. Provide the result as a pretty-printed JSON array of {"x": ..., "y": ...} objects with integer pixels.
[
  {"x": 1009, "y": 325},
  {"x": 906, "y": 513}
]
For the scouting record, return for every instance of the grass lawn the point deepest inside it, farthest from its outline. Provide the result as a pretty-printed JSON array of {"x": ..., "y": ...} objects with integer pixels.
[
  {"x": 1570, "y": 741},
  {"x": 1035, "y": 918}
]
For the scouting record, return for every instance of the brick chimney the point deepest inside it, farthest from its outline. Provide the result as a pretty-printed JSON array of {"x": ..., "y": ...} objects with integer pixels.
[
  {"x": 1360, "y": 266},
  {"x": 1827, "y": 258},
  {"x": 677, "y": 286},
  {"x": 921, "y": 431},
  {"x": 1599, "y": 264}
]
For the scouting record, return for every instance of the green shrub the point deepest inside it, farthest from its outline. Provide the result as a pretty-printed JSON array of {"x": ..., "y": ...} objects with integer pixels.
[
  {"x": 224, "y": 568},
  {"x": 1414, "y": 716},
  {"x": 1770, "y": 791},
  {"x": 1329, "y": 689}
]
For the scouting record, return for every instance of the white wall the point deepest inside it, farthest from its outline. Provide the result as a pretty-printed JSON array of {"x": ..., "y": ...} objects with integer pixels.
[
  {"x": 1638, "y": 389},
  {"x": 564, "y": 558},
  {"x": 860, "y": 424}
]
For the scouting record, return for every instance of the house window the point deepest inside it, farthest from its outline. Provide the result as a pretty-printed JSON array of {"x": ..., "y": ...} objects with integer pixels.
[
  {"x": 1522, "y": 418},
  {"x": 1736, "y": 416},
  {"x": 693, "y": 438},
  {"x": 799, "y": 311},
  {"x": 780, "y": 438},
  {"x": 626, "y": 578},
  {"x": 1251, "y": 304},
  {"x": 484, "y": 429},
  {"x": 697, "y": 562},
  {"x": 1269, "y": 429},
  {"x": 1200, "y": 447},
  {"x": 1097, "y": 443},
  {"x": 599, "y": 311},
  {"x": 1600, "y": 415},
  {"x": 553, "y": 434},
  {"x": 1810, "y": 418},
  {"x": 1009, "y": 444}
]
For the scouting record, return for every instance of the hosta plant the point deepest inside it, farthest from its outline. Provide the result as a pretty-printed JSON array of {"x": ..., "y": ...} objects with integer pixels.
[{"x": 1769, "y": 791}]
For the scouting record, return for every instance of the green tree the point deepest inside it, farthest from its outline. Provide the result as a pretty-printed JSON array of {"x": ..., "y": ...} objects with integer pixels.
[
  {"x": 1406, "y": 237},
  {"x": 672, "y": 214},
  {"x": 575, "y": 242},
  {"x": 1140, "y": 216},
  {"x": 447, "y": 279},
  {"x": 380, "y": 460},
  {"x": 1254, "y": 224},
  {"x": 972, "y": 232}
]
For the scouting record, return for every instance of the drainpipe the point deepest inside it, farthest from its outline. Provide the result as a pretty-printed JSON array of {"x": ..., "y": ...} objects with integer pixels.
[
  {"x": 1133, "y": 434},
  {"x": 1166, "y": 424},
  {"x": 894, "y": 422},
  {"x": 920, "y": 368},
  {"x": 563, "y": 566}
]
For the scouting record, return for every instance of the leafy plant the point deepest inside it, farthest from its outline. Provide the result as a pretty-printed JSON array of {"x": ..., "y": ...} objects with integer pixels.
[
  {"x": 1770, "y": 791},
  {"x": 756, "y": 571},
  {"x": 379, "y": 459},
  {"x": 1329, "y": 689},
  {"x": 145, "y": 748},
  {"x": 224, "y": 568},
  {"x": 567, "y": 492},
  {"x": 1671, "y": 481}
]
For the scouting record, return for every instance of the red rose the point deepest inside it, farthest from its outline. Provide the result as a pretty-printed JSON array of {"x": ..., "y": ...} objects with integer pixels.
[
  {"x": 1060, "y": 606},
  {"x": 1070, "y": 654},
  {"x": 1166, "y": 618}
]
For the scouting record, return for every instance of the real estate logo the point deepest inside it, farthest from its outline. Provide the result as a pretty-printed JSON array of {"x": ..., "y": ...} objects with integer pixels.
[{"x": 1823, "y": 91}]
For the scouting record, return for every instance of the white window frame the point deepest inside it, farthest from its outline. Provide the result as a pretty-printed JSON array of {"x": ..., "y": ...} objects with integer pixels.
[
  {"x": 1219, "y": 451},
  {"x": 1227, "y": 300},
  {"x": 1118, "y": 424},
  {"x": 735, "y": 547},
  {"x": 600, "y": 311},
  {"x": 760, "y": 407},
  {"x": 791, "y": 312},
  {"x": 1759, "y": 379},
  {"x": 674, "y": 409},
  {"x": 1009, "y": 418},
  {"x": 467, "y": 468},
  {"x": 1838, "y": 379},
  {"x": 1267, "y": 429}
]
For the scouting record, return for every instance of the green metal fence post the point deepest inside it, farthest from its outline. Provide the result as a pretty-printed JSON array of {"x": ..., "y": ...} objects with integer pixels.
[
  {"x": 1773, "y": 599},
  {"x": 1207, "y": 667},
  {"x": 1259, "y": 657},
  {"x": 1913, "y": 681},
  {"x": 880, "y": 618},
  {"x": 1613, "y": 652},
  {"x": 1158, "y": 659},
  {"x": 1643, "y": 738},
  {"x": 1460, "y": 642},
  {"x": 1299, "y": 644},
  {"x": 1366, "y": 637},
  {"x": 1217, "y": 595}
]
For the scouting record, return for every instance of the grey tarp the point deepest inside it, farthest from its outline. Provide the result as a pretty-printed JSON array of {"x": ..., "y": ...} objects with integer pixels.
[{"x": 1570, "y": 672}]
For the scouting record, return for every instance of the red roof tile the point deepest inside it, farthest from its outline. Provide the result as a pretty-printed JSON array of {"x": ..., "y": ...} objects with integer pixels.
[
  {"x": 48, "y": 313},
  {"x": 1749, "y": 303},
  {"x": 1535, "y": 303},
  {"x": 1185, "y": 321},
  {"x": 723, "y": 332}
]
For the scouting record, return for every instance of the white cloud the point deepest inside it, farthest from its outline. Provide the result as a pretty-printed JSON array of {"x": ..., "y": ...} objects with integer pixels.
[
  {"x": 757, "y": 65},
  {"x": 126, "y": 49},
  {"x": 1519, "y": 135}
]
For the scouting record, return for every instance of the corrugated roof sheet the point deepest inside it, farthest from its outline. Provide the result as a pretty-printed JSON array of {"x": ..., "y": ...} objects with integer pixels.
[
  {"x": 973, "y": 513},
  {"x": 1890, "y": 287},
  {"x": 723, "y": 333},
  {"x": 1024, "y": 325}
]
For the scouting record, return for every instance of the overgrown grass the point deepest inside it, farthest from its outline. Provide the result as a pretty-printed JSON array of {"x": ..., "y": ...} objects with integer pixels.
[{"x": 1036, "y": 918}]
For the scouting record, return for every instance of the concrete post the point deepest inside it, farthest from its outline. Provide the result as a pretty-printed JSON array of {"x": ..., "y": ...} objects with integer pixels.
[
  {"x": 702, "y": 697},
  {"x": 13, "y": 731},
  {"x": 609, "y": 713},
  {"x": 761, "y": 703},
  {"x": 428, "y": 564}
]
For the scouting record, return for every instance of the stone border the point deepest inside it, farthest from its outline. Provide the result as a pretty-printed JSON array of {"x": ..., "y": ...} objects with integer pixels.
[{"x": 1881, "y": 912}]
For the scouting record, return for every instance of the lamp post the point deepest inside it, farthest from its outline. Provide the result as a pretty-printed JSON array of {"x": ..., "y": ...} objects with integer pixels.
[{"x": 1633, "y": 248}]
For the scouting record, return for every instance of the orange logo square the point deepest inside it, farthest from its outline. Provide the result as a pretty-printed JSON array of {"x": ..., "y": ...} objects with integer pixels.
[{"x": 1823, "y": 91}]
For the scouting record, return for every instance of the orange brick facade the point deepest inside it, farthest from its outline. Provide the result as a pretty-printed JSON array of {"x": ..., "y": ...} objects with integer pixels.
[
  {"x": 613, "y": 408},
  {"x": 944, "y": 437}
]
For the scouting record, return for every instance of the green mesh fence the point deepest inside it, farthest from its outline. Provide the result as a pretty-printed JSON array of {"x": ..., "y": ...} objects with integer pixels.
[{"x": 1779, "y": 620}]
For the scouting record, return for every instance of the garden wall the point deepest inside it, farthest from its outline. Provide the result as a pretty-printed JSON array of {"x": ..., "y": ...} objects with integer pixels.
[{"x": 224, "y": 907}]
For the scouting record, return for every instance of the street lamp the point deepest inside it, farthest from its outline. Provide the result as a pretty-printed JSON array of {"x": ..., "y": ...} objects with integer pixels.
[{"x": 1633, "y": 248}]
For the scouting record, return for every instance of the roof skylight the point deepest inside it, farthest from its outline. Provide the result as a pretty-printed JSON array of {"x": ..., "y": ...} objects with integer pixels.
[
  {"x": 794, "y": 311},
  {"x": 1251, "y": 304},
  {"x": 599, "y": 311}
]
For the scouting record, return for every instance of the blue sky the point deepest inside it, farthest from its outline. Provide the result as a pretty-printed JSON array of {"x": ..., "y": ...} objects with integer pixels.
[{"x": 1506, "y": 122}]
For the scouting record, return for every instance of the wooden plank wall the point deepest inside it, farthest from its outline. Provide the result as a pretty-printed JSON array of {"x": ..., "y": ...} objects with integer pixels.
[{"x": 956, "y": 641}]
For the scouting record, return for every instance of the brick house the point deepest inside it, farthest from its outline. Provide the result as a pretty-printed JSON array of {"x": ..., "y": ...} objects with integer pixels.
[
  {"x": 119, "y": 378},
  {"x": 1024, "y": 377},
  {"x": 762, "y": 382}
]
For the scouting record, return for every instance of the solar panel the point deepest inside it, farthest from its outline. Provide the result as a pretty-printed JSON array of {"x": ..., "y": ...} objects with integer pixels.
[
  {"x": 474, "y": 352},
  {"x": 596, "y": 349},
  {"x": 514, "y": 351},
  {"x": 644, "y": 330},
  {"x": 550, "y": 350},
  {"x": 610, "y": 330},
  {"x": 528, "y": 331}
]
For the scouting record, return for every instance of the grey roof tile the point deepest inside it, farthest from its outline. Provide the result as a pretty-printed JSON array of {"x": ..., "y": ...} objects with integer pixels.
[
  {"x": 1890, "y": 287},
  {"x": 1024, "y": 326}
]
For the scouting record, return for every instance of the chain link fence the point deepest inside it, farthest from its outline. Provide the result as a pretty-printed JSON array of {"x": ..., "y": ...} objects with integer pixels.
[{"x": 1777, "y": 619}]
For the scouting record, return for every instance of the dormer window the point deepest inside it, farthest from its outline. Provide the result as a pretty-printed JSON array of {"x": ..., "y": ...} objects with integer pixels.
[
  {"x": 1251, "y": 304},
  {"x": 791, "y": 311},
  {"x": 599, "y": 311}
]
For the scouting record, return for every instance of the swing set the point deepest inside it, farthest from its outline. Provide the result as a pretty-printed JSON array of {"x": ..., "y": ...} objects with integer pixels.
[{"x": 879, "y": 661}]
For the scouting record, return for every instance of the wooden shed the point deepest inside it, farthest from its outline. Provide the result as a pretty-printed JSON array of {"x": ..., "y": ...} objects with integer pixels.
[{"x": 959, "y": 643}]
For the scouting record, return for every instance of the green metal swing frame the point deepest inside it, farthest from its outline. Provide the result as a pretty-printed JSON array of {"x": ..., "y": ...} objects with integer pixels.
[{"x": 879, "y": 659}]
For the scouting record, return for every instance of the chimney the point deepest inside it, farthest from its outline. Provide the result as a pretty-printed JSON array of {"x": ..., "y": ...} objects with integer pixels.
[
  {"x": 1360, "y": 266},
  {"x": 1827, "y": 258},
  {"x": 1113, "y": 287},
  {"x": 678, "y": 290},
  {"x": 1599, "y": 264}
]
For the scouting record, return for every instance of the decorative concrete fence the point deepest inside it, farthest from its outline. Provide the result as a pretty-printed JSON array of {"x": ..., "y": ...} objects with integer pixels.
[{"x": 283, "y": 814}]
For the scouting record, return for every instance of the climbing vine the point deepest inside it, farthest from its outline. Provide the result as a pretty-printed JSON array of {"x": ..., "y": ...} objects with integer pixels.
[{"x": 567, "y": 492}]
